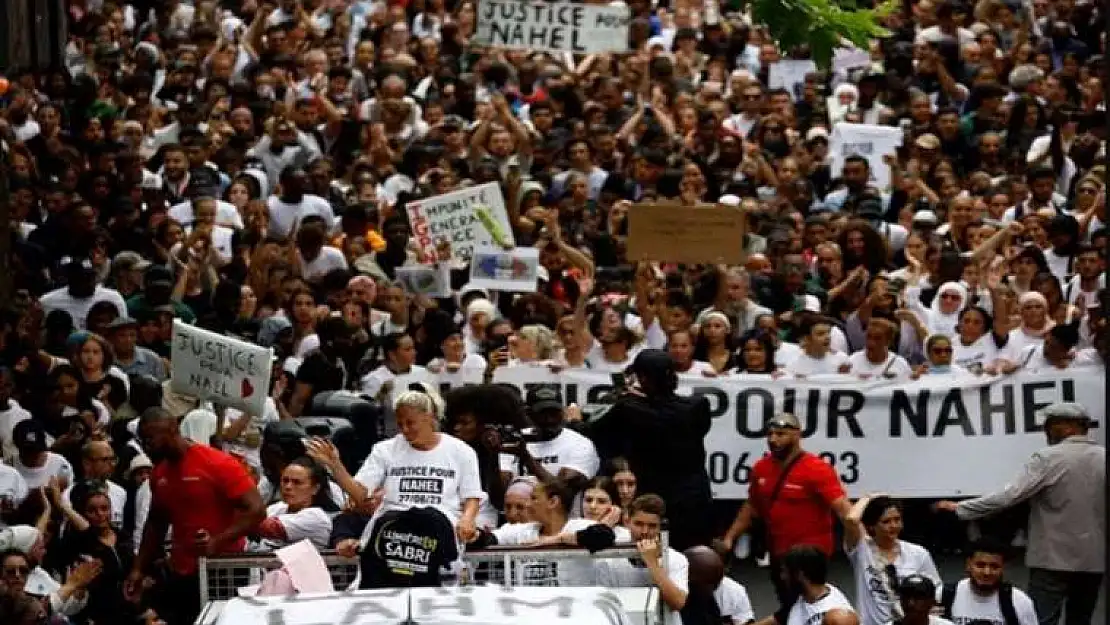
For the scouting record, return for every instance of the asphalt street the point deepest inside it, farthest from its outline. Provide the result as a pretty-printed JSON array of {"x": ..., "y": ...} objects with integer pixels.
[{"x": 758, "y": 583}]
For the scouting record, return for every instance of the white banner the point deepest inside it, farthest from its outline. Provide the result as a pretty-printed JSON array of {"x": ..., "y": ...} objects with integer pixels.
[
  {"x": 553, "y": 26},
  {"x": 485, "y": 605},
  {"x": 940, "y": 436},
  {"x": 869, "y": 141},
  {"x": 464, "y": 218},
  {"x": 219, "y": 368}
]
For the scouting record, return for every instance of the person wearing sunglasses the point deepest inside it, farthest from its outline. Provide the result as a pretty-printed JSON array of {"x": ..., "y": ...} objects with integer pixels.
[{"x": 938, "y": 356}]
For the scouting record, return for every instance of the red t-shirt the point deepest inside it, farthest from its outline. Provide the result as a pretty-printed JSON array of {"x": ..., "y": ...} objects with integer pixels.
[
  {"x": 802, "y": 513},
  {"x": 197, "y": 493}
]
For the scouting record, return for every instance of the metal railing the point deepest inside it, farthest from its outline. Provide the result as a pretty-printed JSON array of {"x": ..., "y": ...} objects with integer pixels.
[{"x": 221, "y": 577}]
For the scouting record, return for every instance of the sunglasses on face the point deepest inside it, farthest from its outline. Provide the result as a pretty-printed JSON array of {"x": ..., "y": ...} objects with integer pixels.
[
  {"x": 942, "y": 351},
  {"x": 12, "y": 571}
]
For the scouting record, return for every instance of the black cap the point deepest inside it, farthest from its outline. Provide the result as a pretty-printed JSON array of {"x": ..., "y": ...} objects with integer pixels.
[
  {"x": 544, "y": 398},
  {"x": 157, "y": 273},
  {"x": 870, "y": 207},
  {"x": 287, "y": 435},
  {"x": 29, "y": 436},
  {"x": 917, "y": 586}
]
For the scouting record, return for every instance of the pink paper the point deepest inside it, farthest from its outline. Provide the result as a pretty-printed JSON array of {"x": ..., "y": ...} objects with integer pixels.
[{"x": 306, "y": 568}]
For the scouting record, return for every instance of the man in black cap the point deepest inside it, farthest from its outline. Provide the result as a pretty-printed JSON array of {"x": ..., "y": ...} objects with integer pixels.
[
  {"x": 1065, "y": 486},
  {"x": 917, "y": 595},
  {"x": 662, "y": 436},
  {"x": 158, "y": 285},
  {"x": 550, "y": 450},
  {"x": 35, "y": 464},
  {"x": 81, "y": 292}
]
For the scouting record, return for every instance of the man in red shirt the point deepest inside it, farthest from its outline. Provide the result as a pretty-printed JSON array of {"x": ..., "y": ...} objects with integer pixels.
[
  {"x": 206, "y": 496},
  {"x": 794, "y": 494}
]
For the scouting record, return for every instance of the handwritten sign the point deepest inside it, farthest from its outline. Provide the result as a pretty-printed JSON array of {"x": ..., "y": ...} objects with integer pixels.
[
  {"x": 553, "y": 26},
  {"x": 686, "y": 234},
  {"x": 870, "y": 141},
  {"x": 455, "y": 217},
  {"x": 219, "y": 368},
  {"x": 505, "y": 270}
]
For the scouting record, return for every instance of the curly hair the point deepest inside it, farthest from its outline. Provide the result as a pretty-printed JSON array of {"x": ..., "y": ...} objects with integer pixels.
[{"x": 876, "y": 253}]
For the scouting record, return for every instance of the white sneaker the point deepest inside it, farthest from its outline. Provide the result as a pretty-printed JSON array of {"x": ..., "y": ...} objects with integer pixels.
[{"x": 764, "y": 561}]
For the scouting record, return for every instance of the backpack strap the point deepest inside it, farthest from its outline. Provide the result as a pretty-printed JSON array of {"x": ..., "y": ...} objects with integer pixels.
[
  {"x": 1006, "y": 603},
  {"x": 947, "y": 598}
]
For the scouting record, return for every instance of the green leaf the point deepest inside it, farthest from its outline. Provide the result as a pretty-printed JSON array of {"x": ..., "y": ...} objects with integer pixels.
[{"x": 821, "y": 24}]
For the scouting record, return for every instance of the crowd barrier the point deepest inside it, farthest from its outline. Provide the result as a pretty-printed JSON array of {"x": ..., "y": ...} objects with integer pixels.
[{"x": 221, "y": 577}]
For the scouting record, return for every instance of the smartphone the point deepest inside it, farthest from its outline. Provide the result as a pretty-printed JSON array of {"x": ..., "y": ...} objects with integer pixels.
[{"x": 618, "y": 380}]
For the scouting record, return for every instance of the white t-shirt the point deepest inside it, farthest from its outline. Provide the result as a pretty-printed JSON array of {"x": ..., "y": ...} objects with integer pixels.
[
  {"x": 1058, "y": 265},
  {"x": 698, "y": 369},
  {"x": 806, "y": 613},
  {"x": 78, "y": 309},
  {"x": 37, "y": 477},
  {"x": 471, "y": 364},
  {"x": 622, "y": 573},
  {"x": 968, "y": 606},
  {"x": 982, "y": 352},
  {"x": 547, "y": 572},
  {"x": 372, "y": 382},
  {"x": 892, "y": 367},
  {"x": 595, "y": 358},
  {"x": 807, "y": 365},
  {"x": 285, "y": 217},
  {"x": 933, "y": 620},
  {"x": 443, "y": 477},
  {"x": 312, "y": 524},
  {"x": 568, "y": 450},
  {"x": 786, "y": 353},
  {"x": 874, "y": 592},
  {"x": 732, "y": 599},
  {"x": 226, "y": 215},
  {"x": 13, "y": 487},
  {"x": 329, "y": 259},
  {"x": 1015, "y": 349}
]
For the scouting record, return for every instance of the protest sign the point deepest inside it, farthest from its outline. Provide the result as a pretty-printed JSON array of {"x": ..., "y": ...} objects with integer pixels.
[
  {"x": 428, "y": 280},
  {"x": 869, "y": 141},
  {"x": 515, "y": 270},
  {"x": 686, "y": 234},
  {"x": 464, "y": 218},
  {"x": 224, "y": 370},
  {"x": 553, "y": 26},
  {"x": 847, "y": 59},
  {"x": 790, "y": 75},
  {"x": 939, "y": 436}
]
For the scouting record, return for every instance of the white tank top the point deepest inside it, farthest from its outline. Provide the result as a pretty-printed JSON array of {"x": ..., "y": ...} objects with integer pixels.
[{"x": 805, "y": 613}]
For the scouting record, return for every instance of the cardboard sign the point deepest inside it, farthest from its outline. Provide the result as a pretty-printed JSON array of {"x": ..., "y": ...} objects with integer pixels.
[
  {"x": 514, "y": 270},
  {"x": 553, "y": 26},
  {"x": 219, "y": 368},
  {"x": 464, "y": 218},
  {"x": 686, "y": 234}
]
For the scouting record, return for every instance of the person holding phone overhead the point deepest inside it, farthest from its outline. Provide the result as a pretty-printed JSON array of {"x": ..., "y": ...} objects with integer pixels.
[{"x": 793, "y": 494}]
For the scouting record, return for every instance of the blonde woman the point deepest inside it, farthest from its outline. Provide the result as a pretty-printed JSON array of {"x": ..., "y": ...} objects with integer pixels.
[{"x": 533, "y": 344}]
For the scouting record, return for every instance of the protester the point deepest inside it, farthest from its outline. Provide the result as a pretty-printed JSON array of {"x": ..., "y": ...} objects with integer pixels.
[
  {"x": 924, "y": 220},
  {"x": 983, "y": 594}
]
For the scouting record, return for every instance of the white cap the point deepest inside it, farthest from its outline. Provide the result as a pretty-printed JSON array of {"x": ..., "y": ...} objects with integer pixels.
[
  {"x": 729, "y": 200},
  {"x": 925, "y": 217},
  {"x": 817, "y": 132},
  {"x": 656, "y": 41}
]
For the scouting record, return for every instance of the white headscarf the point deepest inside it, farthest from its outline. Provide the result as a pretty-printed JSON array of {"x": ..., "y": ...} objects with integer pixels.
[
  {"x": 942, "y": 323},
  {"x": 199, "y": 426}
]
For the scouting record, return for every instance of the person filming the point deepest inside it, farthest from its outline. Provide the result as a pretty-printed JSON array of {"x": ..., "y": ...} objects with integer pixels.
[{"x": 649, "y": 422}]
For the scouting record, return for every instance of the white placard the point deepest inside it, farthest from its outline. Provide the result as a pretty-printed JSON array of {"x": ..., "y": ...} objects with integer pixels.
[
  {"x": 488, "y": 605},
  {"x": 227, "y": 371},
  {"x": 456, "y": 217},
  {"x": 940, "y": 436},
  {"x": 496, "y": 269},
  {"x": 870, "y": 141},
  {"x": 429, "y": 280},
  {"x": 847, "y": 59},
  {"x": 790, "y": 75},
  {"x": 553, "y": 26}
]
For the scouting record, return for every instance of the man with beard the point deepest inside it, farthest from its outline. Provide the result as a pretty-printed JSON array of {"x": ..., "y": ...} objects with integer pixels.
[
  {"x": 553, "y": 451},
  {"x": 81, "y": 292},
  {"x": 855, "y": 173},
  {"x": 288, "y": 209},
  {"x": 1065, "y": 485},
  {"x": 208, "y": 498},
  {"x": 793, "y": 493},
  {"x": 804, "y": 571},
  {"x": 983, "y": 597},
  {"x": 281, "y": 149},
  {"x": 649, "y": 422}
]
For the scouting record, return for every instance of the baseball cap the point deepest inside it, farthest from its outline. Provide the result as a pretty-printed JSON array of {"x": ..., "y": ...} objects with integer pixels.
[
  {"x": 122, "y": 322},
  {"x": 917, "y": 586},
  {"x": 129, "y": 260},
  {"x": 784, "y": 421},
  {"x": 817, "y": 132},
  {"x": 544, "y": 398},
  {"x": 925, "y": 218},
  {"x": 29, "y": 436},
  {"x": 1065, "y": 411}
]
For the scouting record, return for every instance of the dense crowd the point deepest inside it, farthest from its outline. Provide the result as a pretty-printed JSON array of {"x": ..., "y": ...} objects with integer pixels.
[{"x": 245, "y": 167}]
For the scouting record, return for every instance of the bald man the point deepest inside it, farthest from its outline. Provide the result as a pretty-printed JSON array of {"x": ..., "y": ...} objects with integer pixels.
[
  {"x": 98, "y": 462},
  {"x": 707, "y": 579},
  {"x": 758, "y": 263}
]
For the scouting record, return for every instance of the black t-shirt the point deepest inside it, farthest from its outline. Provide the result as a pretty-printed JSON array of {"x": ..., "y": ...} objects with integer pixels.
[
  {"x": 319, "y": 373},
  {"x": 408, "y": 549}
]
